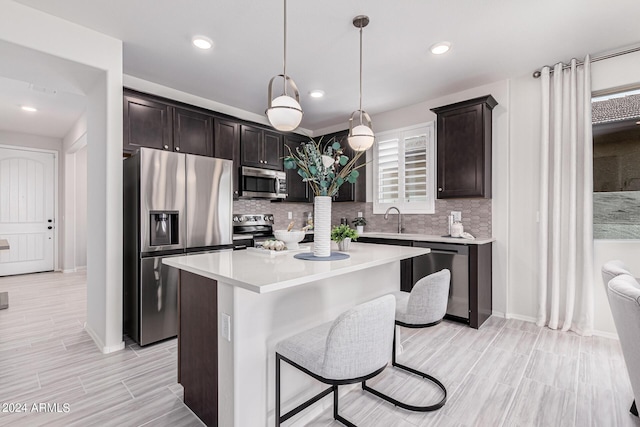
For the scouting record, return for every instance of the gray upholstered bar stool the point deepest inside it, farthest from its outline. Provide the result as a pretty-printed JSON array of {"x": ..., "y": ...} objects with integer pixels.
[
  {"x": 424, "y": 307},
  {"x": 351, "y": 349}
]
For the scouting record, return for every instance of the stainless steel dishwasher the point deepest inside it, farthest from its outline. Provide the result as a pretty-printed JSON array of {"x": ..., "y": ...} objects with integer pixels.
[{"x": 455, "y": 258}]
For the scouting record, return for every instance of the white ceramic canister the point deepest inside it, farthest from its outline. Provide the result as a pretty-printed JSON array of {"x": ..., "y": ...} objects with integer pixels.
[{"x": 456, "y": 229}]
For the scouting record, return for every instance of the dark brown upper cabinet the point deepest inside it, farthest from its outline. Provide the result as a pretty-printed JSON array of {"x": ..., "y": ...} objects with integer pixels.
[
  {"x": 147, "y": 123},
  {"x": 260, "y": 148},
  {"x": 464, "y": 148},
  {"x": 348, "y": 192},
  {"x": 297, "y": 189},
  {"x": 192, "y": 132},
  {"x": 227, "y": 146},
  {"x": 153, "y": 122}
]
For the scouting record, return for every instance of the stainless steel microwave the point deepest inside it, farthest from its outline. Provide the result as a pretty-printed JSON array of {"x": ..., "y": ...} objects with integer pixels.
[{"x": 263, "y": 183}]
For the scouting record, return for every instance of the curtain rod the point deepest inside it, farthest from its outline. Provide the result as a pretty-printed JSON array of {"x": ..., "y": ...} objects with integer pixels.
[{"x": 537, "y": 73}]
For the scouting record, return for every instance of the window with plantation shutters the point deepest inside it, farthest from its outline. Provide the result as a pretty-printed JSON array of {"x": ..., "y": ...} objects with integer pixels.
[{"x": 404, "y": 170}]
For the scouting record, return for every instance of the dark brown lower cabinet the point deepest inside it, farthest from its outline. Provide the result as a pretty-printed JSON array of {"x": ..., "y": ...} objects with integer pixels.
[
  {"x": 471, "y": 275},
  {"x": 198, "y": 345},
  {"x": 480, "y": 305}
]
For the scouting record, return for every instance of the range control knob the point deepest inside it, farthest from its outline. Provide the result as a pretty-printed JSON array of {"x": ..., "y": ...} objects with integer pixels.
[{"x": 269, "y": 217}]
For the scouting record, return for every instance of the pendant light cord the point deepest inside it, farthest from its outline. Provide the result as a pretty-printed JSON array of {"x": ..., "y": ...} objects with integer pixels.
[
  {"x": 360, "y": 74},
  {"x": 284, "y": 71}
]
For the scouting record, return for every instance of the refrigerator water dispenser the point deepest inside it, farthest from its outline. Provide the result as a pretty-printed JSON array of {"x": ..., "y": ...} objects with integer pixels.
[{"x": 164, "y": 228}]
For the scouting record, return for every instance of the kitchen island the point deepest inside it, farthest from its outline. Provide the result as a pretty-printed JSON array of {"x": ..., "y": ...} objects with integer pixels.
[{"x": 235, "y": 306}]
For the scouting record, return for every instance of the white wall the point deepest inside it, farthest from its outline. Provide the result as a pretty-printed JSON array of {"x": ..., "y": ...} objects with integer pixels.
[
  {"x": 420, "y": 113},
  {"x": 74, "y": 252},
  {"x": 44, "y": 143},
  {"x": 81, "y": 209},
  {"x": 64, "y": 39},
  {"x": 524, "y": 176}
]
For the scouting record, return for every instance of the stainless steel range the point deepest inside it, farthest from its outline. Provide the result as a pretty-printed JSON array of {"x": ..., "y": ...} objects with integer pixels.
[{"x": 258, "y": 227}]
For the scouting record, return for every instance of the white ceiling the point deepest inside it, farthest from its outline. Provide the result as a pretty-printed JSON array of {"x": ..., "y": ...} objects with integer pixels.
[
  {"x": 491, "y": 40},
  {"x": 53, "y": 85}
]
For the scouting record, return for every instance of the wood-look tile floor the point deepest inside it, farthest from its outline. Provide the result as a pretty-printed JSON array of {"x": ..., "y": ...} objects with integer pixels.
[
  {"x": 507, "y": 373},
  {"x": 47, "y": 357}
]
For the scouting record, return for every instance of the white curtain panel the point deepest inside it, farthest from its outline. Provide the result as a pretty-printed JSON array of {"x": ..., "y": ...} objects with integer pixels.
[{"x": 566, "y": 207}]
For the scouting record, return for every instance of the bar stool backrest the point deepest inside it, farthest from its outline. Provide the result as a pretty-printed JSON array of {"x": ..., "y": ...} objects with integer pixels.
[
  {"x": 360, "y": 340},
  {"x": 429, "y": 298}
]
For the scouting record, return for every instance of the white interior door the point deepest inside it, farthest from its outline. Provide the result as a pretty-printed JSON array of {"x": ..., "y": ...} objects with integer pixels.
[{"x": 27, "y": 192}]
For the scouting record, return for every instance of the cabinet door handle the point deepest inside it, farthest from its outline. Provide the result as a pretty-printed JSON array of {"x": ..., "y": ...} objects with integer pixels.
[
  {"x": 166, "y": 147},
  {"x": 439, "y": 189},
  {"x": 177, "y": 148}
]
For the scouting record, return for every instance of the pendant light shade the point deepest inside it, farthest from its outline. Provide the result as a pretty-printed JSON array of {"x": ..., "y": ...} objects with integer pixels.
[
  {"x": 361, "y": 135},
  {"x": 284, "y": 112}
]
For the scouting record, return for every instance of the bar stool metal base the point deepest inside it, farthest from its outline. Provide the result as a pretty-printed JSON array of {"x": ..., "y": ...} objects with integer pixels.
[
  {"x": 333, "y": 389},
  {"x": 434, "y": 380}
]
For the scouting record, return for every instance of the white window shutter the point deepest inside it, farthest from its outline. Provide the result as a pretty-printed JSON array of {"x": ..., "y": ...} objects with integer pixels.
[{"x": 404, "y": 170}]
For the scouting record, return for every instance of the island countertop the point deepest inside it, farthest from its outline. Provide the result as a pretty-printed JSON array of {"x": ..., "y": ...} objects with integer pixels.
[{"x": 263, "y": 273}]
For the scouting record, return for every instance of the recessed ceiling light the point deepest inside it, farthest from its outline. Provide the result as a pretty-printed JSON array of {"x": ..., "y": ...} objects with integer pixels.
[
  {"x": 202, "y": 42},
  {"x": 29, "y": 109},
  {"x": 440, "y": 48},
  {"x": 316, "y": 93}
]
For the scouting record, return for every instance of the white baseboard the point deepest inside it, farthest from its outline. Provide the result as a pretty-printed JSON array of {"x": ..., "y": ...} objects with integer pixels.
[
  {"x": 610, "y": 335},
  {"x": 595, "y": 332},
  {"x": 520, "y": 317},
  {"x": 75, "y": 270},
  {"x": 103, "y": 348}
]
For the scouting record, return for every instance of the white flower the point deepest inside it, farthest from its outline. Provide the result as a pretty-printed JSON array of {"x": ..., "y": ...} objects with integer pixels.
[{"x": 327, "y": 161}]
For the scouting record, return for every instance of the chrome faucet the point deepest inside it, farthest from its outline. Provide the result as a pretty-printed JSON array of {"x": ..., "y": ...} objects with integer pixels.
[{"x": 386, "y": 216}]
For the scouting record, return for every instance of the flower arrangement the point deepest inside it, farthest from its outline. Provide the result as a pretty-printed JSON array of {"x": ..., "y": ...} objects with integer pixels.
[
  {"x": 341, "y": 232},
  {"x": 324, "y": 168}
]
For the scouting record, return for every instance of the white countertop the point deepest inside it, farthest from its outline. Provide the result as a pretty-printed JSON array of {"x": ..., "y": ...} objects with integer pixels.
[
  {"x": 429, "y": 238},
  {"x": 262, "y": 273},
  {"x": 4, "y": 244}
]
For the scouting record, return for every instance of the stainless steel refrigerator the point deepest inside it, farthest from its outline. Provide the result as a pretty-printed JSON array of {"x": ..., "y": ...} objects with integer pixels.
[{"x": 174, "y": 204}]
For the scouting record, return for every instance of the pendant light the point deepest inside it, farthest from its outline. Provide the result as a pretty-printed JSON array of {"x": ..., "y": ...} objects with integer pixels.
[
  {"x": 361, "y": 136},
  {"x": 284, "y": 112}
]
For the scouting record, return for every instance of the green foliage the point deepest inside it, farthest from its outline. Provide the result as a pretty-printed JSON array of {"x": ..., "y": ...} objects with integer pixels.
[
  {"x": 323, "y": 166},
  {"x": 341, "y": 232},
  {"x": 359, "y": 221}
]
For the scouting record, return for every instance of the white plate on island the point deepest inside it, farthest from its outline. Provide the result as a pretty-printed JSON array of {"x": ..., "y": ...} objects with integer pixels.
[{"x": 269, "y": 252}]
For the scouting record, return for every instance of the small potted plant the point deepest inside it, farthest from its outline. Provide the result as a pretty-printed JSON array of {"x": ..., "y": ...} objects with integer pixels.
[
  {"x": 359, "y": 222},
  {"x": 343, "y": 235}
]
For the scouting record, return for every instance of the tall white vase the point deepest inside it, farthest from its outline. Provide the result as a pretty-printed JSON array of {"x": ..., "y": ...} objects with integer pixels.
[{"x": 322, "y": 226}]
